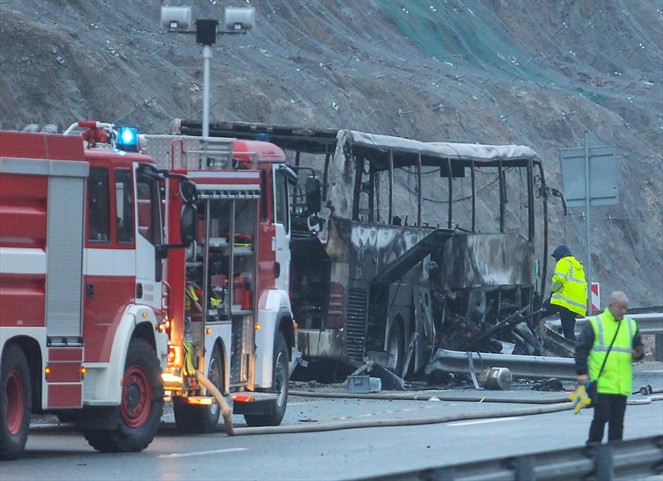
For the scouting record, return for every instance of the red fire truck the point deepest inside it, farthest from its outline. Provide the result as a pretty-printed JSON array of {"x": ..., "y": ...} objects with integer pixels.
[
  {"x": 82, "y": 259},
  {"x": 230, "y": 313}
]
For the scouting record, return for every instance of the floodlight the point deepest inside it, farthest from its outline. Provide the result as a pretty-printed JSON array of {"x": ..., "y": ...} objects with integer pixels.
[
  {"x": 240, "y": 18},
  {"x": 176, "y": 19}
]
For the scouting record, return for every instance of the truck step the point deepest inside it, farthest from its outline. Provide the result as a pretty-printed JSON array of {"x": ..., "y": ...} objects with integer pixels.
[
  {"x": 251, "y": 397},
  {"x": 200, "y": 400},
  {"x": 253, "y": 403}
]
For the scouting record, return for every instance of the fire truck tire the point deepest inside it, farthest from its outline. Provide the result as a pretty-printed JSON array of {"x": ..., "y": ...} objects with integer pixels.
[
  {"x": 15, "y": 402},
  {"x": 280, "y": 379},
  {"x": 141, "y": 405},
  {"x": 193, "y": 419}
]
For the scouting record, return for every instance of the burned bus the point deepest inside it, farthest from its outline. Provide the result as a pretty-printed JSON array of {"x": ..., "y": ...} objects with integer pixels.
[{"x": 412, "y": 246}]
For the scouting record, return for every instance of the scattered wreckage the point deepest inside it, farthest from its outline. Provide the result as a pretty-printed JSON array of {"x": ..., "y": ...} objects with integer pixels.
[{"x": 418, "y": 246}]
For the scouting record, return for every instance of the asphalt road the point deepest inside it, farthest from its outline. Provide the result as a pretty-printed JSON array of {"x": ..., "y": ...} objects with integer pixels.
[{"x": 58, "y": 453}]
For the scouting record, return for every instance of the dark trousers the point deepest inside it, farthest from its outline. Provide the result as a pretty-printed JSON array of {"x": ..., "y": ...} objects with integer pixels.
[
  {"x": 567, "y": 317},
  {"x": 610, "y": 409}
]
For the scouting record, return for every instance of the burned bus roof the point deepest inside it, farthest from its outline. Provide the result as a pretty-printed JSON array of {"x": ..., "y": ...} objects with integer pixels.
[
  {"x": 319, "y": 141},
  {"x": 433, "y": 152},
  {"x": 445, "y": 150},
  {"x": 315, "y": 141}
]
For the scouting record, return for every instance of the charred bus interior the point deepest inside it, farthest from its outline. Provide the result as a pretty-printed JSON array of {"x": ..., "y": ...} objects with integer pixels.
[{"x": 415, "y": 246}]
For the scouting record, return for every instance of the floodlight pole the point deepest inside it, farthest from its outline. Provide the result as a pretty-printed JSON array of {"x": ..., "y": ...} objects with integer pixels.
[
  {"x": 179, "y": 18},
  {"x": 588, "y": 226},
  {"x": 206, "y": 35},
  {"x": 207, "y": 56}
]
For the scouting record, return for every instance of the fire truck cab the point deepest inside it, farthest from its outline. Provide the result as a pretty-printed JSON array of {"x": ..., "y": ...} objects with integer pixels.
[
  {"x": 231, "y": 318},
  {"x": 82, "y": 267}
]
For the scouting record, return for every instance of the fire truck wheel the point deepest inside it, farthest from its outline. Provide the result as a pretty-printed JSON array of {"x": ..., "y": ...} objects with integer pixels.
[
  {"x": 280, "y": 379},
  {"x": 195, "y": 419},
  {"x": 141, "y": 404},
  {"x": 15, "y": 402}
]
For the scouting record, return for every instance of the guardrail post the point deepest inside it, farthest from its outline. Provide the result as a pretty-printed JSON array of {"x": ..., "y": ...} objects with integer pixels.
[
  {"x": 605, "y": 470},
  {"x": 658, "y": 347}
]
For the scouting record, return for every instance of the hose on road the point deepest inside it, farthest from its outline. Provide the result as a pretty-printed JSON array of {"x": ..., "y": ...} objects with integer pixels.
[
  {"x": 559, "y": 405},
  {"x": 425, "y": 397},
  {"x": 377, "y": 423}
]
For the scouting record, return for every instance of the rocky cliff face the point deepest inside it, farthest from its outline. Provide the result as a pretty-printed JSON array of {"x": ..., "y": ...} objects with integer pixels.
[{"x": 534, "y": 73}]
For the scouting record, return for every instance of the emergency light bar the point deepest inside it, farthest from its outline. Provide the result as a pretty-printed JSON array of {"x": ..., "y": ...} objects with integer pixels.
[{"x": 127, "y": 139}]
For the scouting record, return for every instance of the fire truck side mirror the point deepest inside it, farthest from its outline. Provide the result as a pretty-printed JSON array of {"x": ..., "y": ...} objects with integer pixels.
[
  {"x": 188, "y": 191},
  {"x": 313, "y": 195},
  {"x": 188, "y": 224}
]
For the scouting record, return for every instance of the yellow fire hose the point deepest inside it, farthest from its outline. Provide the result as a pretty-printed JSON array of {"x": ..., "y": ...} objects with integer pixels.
[{"x": 226, "y": 412}]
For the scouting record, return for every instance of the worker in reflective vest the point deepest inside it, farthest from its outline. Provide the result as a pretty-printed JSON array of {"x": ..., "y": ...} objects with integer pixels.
[
  {"x": 569, "y": 290},
  {"x": 614, "y": 379}
]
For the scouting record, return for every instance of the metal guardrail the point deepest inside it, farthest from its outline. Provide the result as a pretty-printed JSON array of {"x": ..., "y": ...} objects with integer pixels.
[
  {"x": 644, "y": 310},
  {"x": 519, "y": 365},
  {"x": 536, "y": 366},
  {"x": 624, "y": 460},
  {"x": 648, "y": 323}
]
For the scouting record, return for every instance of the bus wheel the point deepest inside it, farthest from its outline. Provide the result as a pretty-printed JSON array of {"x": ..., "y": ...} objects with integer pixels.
[{"x": 396, "y": 348}]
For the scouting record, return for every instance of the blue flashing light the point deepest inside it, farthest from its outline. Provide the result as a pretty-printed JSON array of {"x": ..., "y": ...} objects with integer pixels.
[
  {"x": 127, "y": 139},
  {"x": 262, "y": 136}
]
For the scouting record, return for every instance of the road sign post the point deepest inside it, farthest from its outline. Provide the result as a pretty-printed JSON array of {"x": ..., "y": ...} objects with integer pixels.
[{"x": 589, "y": 178}]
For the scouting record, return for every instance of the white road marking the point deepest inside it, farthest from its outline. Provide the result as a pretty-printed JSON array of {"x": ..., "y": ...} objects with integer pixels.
[
  {"x": 201, "y": 453},
  {"x": 483, "y": 421}
]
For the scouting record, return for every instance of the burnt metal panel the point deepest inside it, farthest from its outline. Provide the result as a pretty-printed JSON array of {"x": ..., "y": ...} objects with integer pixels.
[
  {"x": 291, "y": 138},
  {"x": 474, "y": 260},
  {"x": 309, "y": 278},
  {"x": 408, "y": 259}
]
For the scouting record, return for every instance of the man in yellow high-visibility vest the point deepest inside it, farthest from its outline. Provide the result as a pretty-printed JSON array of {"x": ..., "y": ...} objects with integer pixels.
[
  {"x": 569, "y": 290},
  {"x": 609, "y": 367}
]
